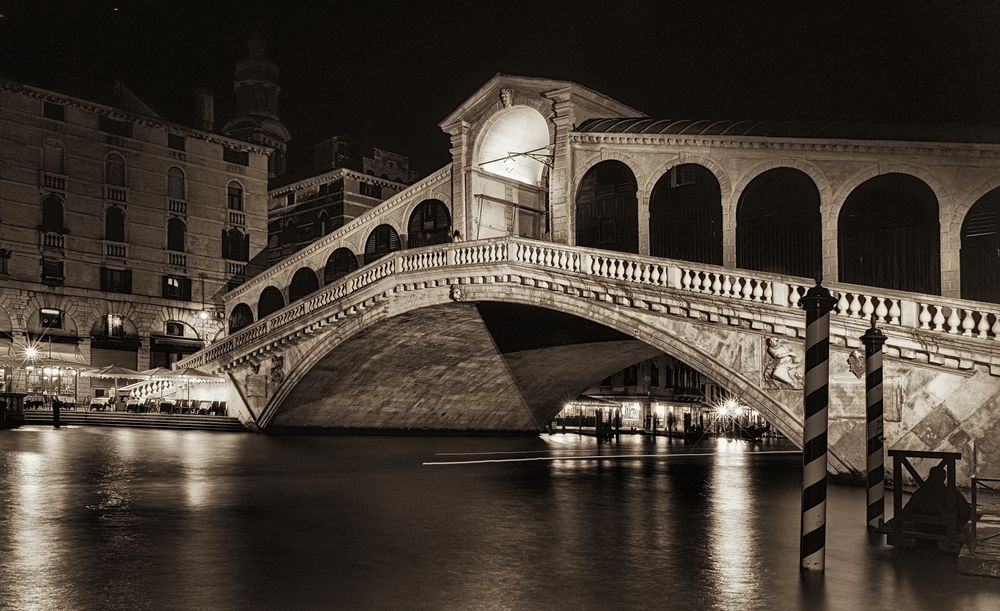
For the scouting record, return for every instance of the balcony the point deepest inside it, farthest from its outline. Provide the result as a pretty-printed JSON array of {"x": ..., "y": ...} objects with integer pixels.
[
  {"x": 236, "y": 269},
  {"x": 115, "y": 250},
  {"x": 53, "y": 240},
  {"x": 177, "y": 259},
  {"x": 115, "y": 194},
  {"x": 55, "y": 182},
  {"x": 177, "y": 206},
  {"x": 237, "y": 217}
]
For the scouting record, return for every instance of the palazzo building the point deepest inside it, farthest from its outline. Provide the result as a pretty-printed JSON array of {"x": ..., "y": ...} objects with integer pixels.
[
  {"x": 351, "y": 179},
  {"x": 117, "y": 228}
]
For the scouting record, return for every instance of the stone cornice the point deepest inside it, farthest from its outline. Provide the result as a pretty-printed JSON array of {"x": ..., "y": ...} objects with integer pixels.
[
  {"x": 137, "y": 119},
  {"x": 895, "y": 147},
  {"x": 334, "y": 174},
  {"x": 398, "y": 200}
]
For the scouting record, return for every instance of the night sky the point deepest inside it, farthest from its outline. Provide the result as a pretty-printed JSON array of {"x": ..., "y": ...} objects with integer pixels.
[{"x": 393, "y": 70}]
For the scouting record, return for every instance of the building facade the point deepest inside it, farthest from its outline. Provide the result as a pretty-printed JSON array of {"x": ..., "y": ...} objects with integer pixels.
[
  {"x": 117, "y": 228},
  {"x": 351, "y": 180}
]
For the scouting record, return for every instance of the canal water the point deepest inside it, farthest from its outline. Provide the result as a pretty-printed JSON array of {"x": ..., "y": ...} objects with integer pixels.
[{"x": 101, "y": 518}]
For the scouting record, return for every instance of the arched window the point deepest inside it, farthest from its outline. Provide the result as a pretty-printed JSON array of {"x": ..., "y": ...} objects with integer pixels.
[
  {"x": 980, "y": 254},
  {"x": 303, "y": 282},
  {"x": 114, "y": 224},
  {"x": 270, "y": 301},
  {"x": 323, "y": 224},
  {"x": 340, "y": 263},
  {"x": 114, "y": 170},
  {"x": 685, "y": 215},
  {"x": 607, "y": 208},
  {"x": 429, "y": 224},
  {"x": 382, "y": 240},
  {"x": 52, "y": 214},
  {"x": 175, "y": 235},
  {"x": 176, "y": 189},
  {"x": 235, "y": 245},
  {"x": 240, "y": 317},
  {"x": 53, "y": 158},
  {"x": 234, "y": 196},
  {"x": 778, "y": 226},
  {"x": 889, "y": 236}
]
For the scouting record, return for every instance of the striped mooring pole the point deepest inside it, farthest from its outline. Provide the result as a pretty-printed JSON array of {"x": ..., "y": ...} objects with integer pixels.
[
  {"x": 873, "y": 340},
  {"x": 817, "y": 302}
]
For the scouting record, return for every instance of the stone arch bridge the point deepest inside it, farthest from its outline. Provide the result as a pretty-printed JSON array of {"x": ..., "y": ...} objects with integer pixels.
[{"x": 416, "y": 341}]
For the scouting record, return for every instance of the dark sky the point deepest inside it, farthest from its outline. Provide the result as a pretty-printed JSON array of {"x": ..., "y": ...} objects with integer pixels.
[{"x": 394, "y": 69}]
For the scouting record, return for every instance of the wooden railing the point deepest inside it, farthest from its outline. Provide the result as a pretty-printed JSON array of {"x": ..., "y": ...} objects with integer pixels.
[{"x": 741, "y": 288}]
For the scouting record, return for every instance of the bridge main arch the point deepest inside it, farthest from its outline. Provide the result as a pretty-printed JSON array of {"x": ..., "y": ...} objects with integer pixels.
[{"x": 452, "y": 345}]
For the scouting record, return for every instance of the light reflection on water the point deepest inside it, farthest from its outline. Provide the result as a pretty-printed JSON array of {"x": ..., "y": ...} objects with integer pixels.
[{"x": 135, "y": 519}]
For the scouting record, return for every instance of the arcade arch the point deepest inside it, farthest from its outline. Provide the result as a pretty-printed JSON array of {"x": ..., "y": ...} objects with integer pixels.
[
  {"x": 270, "y": 301},
  {"x": 685, "y": 215},
  {"x": 381, "y": 241},
  {"x": 607, "y": 208},
  {"x": 429, "y": 224},
  {"x": 888, "y": 235},
  {"x": 303, "y": 282},
  {"x": 779, "y": 224},
  {"x": 980, "y": 250},
  {"x": 240, "y": 317},
  {"x": 340, "y": 263}
]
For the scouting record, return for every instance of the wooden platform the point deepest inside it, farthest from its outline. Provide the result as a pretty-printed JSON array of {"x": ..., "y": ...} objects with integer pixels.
[
  {"x": 153, "y": 421},
  {"x": 986, "y": 559}
]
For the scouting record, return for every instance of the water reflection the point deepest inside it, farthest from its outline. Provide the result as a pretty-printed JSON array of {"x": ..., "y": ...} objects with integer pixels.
[{"x": 136, "y": 519}]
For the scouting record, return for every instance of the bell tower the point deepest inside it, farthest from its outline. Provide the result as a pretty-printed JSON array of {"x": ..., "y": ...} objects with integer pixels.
[{"x": 256, "y": 85}]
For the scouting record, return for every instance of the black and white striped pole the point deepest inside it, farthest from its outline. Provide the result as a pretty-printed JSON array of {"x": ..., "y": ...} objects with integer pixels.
[
  {"x": 817, "y": 302},
  {"x": 873, "y": 340}
]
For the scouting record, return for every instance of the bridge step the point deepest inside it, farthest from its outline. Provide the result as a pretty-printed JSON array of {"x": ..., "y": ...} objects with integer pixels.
[{"x": 155, "y": 421}]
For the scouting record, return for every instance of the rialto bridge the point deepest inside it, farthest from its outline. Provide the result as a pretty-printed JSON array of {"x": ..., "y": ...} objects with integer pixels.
[{"x": 628, "y": 236}]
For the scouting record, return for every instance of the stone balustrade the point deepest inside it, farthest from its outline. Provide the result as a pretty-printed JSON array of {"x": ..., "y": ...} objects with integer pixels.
[{"x": 738, "y": 288}]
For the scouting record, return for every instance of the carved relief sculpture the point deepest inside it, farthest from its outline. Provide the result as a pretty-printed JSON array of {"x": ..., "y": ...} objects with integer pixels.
[
  {"x": 506, "y": 97},
  {"x": 781, "y": 366},
  {"x": 277, "y": 371},
  {"x": 856, "y": 362}
]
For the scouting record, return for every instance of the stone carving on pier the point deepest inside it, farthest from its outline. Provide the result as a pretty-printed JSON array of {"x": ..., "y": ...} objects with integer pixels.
[
  {"x": 277, "y": 371},
  {"x": 856, "y": 363},
  {"x": 782, "y": 368},
  {"x": 456, "y": 293}
]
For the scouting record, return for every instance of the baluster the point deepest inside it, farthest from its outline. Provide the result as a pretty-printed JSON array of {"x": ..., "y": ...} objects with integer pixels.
[
  {"x": 968, "y": 323},
  {"x": 727, "y": 285},
  {"x": 548, "y": 257},
  {"x": 793, "y": 295},
  {"x": 716, "y": 284},
  {"x": 737, "y": 287},
  {"x": 954, "y": 321},
  {"x": 868, "y": 308},
  {"x": 747, "y": 289},
  {"x": 855, "y": 306},
  {"x": 654, "y": 275},
  {"x": 768, "y": 293},
  {"x": 646, "y": 268},
  {"x": 758, "y": 290},
  {"x": 984, "y": 325},
  {"x": 881, "y": 311},
  {"x": 996, "y": 327},
  {"x": 842, "y": 304},
  {"x": 938, "y": 318},
  {"x": 562, "y": 260},
  {"x": 628, "y": 271},
  {"x": 925, "y": 316},
  {"x": 603, "y": 271},
  {"x": 686, "y": 280},
  {"x": 706, "y": 282}
]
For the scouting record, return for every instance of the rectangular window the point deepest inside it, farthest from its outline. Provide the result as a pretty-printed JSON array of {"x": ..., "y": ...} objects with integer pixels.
[
  {"x": 234, "y": 156},
  {"x": 290, "y": 199},
  {"x": 370, "y": 190},
  {"x": 114, "y": 127},
  {"x": 175, "y": 142},
  {"x": 50, "y": 318},
  {"x": 52, "y": 271},
  {"x": 4, "y": 257},
  {"x": 654, "y": 375},
  {"x": 116, "y": 280},
  {"x": 56, "y": 112},
  {"x": 177, "y": 287}
]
